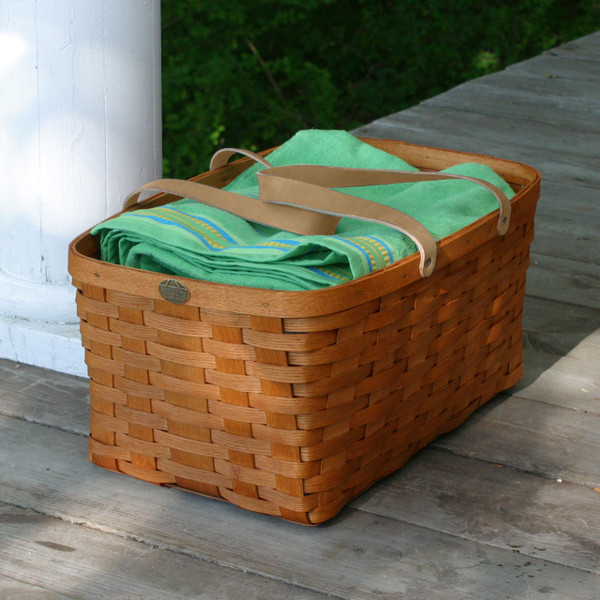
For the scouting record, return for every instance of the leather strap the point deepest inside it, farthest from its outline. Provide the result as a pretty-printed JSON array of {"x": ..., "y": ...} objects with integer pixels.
[
  {"x": 339, "y": 177},
  {"x": 296, "y": 215},
  {"x": 288, "y": 187},
  {"x": 344, "y": 177},
  {"x": 220, "y": 157},
  {"x": 290, "y": 218},
  {"x": 299, "y": 198}
]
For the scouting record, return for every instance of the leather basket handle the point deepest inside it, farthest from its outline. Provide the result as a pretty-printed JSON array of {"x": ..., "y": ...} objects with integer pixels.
[
  {"x": 344, "y": 177},
  {"x": 221, "y": 156},
  {"x": 299, "y": 198}
]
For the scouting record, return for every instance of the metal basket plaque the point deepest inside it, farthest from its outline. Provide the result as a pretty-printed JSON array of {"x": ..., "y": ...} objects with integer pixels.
[{"x": 173, "y": 291}]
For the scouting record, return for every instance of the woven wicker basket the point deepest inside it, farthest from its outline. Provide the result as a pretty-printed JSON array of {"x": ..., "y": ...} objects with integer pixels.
[{"x": 293, "y": 403}]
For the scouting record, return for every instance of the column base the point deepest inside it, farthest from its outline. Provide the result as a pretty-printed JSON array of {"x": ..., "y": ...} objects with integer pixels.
[{"x": 48, "y": 345}]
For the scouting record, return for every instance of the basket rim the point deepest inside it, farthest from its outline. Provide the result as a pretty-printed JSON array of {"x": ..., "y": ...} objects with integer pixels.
[{"x": 86, "y": 269}]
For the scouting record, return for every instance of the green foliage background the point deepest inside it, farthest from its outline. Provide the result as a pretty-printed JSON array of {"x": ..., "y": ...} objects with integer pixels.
[{"x": 249, "y": 73}]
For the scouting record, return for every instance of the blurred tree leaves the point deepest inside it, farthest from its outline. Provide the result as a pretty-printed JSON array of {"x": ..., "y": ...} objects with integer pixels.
[{"x": 249, "y": 73}]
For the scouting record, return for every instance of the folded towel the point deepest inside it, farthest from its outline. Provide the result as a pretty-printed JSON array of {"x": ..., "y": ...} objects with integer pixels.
[{"x": 190, "y": 239}]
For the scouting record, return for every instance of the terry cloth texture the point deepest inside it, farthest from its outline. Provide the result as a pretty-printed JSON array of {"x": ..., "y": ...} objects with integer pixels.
[{"x": 189, "y": 239}]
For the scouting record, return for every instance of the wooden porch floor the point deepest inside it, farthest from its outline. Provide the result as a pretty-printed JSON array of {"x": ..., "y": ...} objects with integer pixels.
[{"x": 507, "y": 506}]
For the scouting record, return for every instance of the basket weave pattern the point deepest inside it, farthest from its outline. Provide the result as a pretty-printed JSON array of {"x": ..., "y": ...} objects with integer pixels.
[{"x": 295, "y": 416}]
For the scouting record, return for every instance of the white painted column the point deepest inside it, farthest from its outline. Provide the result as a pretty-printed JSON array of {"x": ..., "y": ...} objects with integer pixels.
[{"x": 80, "y": 127}]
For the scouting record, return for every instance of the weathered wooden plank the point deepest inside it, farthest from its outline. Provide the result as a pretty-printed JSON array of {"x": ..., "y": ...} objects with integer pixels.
[
  {"x": 567, "y": 223},
  {"x": 561, "y": 102},
  {"x": 567, "y": 240},
  {"x": 73, "y": 561},
  {"x": 519, "y": 130},
  {"x": 572, "y": 381},
  {"x": 557, "y": 329},
  {"x": 555, "y": 164},
  {"x": 557, "y": 63},
  {"x": 358, "y": 555},
  {"x": 562, "y": 349},
  {"x": 44, "y": 396},
  {"x": 535, "y": 437},
  {"x": 10, "y": 589},
  {"x": 564, "y": 280},
  {"x": 582, "y": 46},
  {"x": 518, "y": 86},
  {"x": 571, "y": 203},
  {"x": 574, "y": 59},
  {"x": 490, "y": 503}
]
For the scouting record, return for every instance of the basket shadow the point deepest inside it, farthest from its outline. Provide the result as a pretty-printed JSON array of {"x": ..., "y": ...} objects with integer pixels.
[{"x": 553, "y": 331}]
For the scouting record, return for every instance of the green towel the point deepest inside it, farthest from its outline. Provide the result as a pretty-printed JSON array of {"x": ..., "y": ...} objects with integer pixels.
[{"x": 193, "y": 240}]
